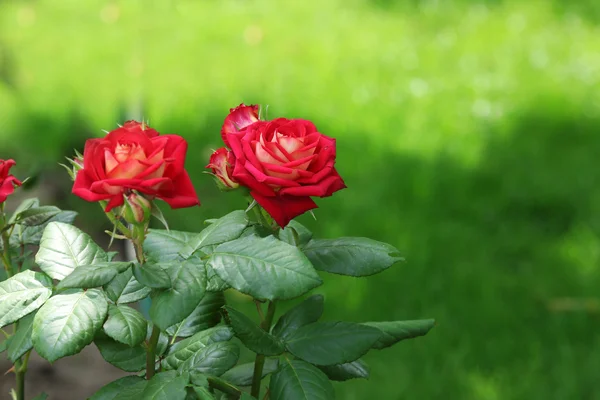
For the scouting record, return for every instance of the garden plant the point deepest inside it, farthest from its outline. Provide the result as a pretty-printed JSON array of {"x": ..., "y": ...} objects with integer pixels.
[{"x": 64, "y": 292}]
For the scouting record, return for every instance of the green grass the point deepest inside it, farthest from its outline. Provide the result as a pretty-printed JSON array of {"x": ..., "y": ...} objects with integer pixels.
[{"x": 467, "y": 134}]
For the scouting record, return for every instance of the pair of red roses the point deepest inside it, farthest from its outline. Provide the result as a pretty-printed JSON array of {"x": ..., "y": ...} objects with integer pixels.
[{"x": 282, "y": 162}]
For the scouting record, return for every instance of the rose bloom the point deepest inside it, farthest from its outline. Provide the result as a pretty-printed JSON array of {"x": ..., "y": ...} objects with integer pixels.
[
  {"x": 135, "y": 157},
  {"x": 7, "y": 181},
  {"x": 283, "y": 162}
]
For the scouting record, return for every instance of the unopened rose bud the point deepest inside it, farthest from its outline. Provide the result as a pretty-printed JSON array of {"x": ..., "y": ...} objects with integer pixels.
[
  {"x": 221, "y": 164},
  {"x": 137, "y": 209}
]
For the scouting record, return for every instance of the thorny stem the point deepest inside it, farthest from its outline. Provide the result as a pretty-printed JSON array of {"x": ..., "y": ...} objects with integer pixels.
[
  {"x": 259, "y": 362},
  {"x": 20, "y": 370}
]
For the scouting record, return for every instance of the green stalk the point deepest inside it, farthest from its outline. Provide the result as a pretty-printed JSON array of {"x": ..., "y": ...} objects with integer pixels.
[
  {"x": 259, "y": 362},
  {"x": 223, "y": 386},
  {"x": 137, "y": 236},
  {"x": 6, "y": 253},
  {"x": 20, "y": 370},
  {"x": 115, "y": 221},
  {"x": 20, "y": 386},
  {"x": 151, "y": 353}
]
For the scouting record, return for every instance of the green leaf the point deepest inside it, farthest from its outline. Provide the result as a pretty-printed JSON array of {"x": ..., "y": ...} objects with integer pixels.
[
  {"x": 177, "y": 303},
  {"x": 4, "y": 344},
  {"x": 41, "y": 396},
  {"x": 206, "y": 315},
  {"x": 353, "y": 256},
  {"x": 133, "y": 391},
  {"x": 213, "y": 359},
  {"x": 395, "y": 331},
  {"x": 92, "y": 276},
  {"x": 152, "y": 275},
  {"x": 344, "y": 372},
  {"x": 265, "y": 268},
  {"x": 166, "y": 246},
  {"x": 223, "y": 230},
  {"x": 197, "y": 378},
  {"x": 122, "y": 356},
  {"x": 295, "y": 234},
  {"x": 33, "y": 234},
  {"x": 307, "y": 312},
  {"x": 68, "y": 322},
  {"x": 202, "y": 393},
  {"x": 165, "y": 386},
  {"x": 214, "y": 283},
  {"x": 110, "y": 391},
  {"x": 298, "y": 380},
  {"x": 36, "y": 216},
  {"x": 24, "y": 206},
  {"x": 125, "y": 325},
  {"x": 242, "y": 374},
  {"x": 183, "y": 350},
  {"x": 329, "y": 343},
  {"x": 22, "y": 294},
  {"x": 126, "y": 289},
  {"x": 64, "y": 247},
  {"x": 20, "y": 342},
  {"x": 253, "y": 336},
  {"x": 257, "y": 230}
]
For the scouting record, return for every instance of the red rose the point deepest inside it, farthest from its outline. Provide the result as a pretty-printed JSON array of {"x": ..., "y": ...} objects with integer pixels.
[
  {"x": 284, "y": 162},
  {"x": 135, "y": 157},
  {"x": 221, "y": 162},
  {"x": 7, "y": 181},
  {"x": 239, "y": 118}
]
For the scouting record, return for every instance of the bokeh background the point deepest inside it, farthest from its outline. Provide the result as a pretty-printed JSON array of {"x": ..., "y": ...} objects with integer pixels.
[{"x": 467, "y": 131}]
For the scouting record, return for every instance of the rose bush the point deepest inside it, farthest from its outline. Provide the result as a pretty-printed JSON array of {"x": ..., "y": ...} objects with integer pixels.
[
  {"x": 135, "y": 157},
  {"x": 284, "y": 162},
  {"x": 73, "y": 294},
  {"x": 7, "y": 181}
]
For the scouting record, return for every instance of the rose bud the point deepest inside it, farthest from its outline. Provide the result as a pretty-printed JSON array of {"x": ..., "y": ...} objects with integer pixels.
[
  {"x": 135, "y": 157},
  {"x": 239, "y": 118},
  {"x": 284, "y": 162},
  {"x": 221, "y": 164},
  {"x": 137, "y": 209},
  {"x": 7, "y": 181}
]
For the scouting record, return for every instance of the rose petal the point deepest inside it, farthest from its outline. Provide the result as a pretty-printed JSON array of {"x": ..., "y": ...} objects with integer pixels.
[
  {"x": 82, "y": 188},
  {"x": 238, "y": 119},
  {"x": 245, "y": 178},
  {"x": 185, "y": 194},
  {"x": 322, "y": 189},
  {"x": 176, "y": 149},
  {"x": 290, "y": 144},
  {"x": 115, "y": 201},
  {"x": 127, "y": 170}
]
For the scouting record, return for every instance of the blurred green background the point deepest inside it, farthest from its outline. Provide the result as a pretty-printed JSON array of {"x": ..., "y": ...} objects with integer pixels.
[{"x": 468, "y": 136}]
